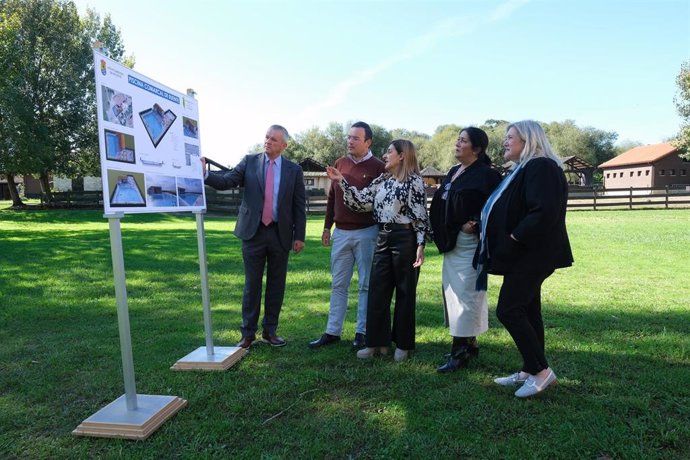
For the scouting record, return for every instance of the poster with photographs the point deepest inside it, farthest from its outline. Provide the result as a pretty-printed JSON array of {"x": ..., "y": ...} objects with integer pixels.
[{"x": 149, "y": 143}]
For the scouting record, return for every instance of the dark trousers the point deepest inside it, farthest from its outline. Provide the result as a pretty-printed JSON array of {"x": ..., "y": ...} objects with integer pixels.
[
  {"x": 519, "y": 309},
  {"x": 264, "y": 249},
  {"x": 392, "y": 270}
]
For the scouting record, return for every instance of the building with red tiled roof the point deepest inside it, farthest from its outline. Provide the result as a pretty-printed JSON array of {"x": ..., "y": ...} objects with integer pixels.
[{"x": 656, "y": 165}]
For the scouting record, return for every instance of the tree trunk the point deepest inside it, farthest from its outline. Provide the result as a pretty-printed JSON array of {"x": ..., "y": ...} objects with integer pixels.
[
  {"x": 14, "y": 193},
  {"x": 45, "y": 187}
]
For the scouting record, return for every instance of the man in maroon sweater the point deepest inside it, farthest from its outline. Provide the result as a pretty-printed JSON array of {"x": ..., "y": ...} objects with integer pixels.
[{"x": 354, "y": 237}]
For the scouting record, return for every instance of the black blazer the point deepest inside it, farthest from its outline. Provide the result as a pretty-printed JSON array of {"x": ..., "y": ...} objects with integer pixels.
[
  {"x": 532, "y": 208},
  {"x": 464, "y": 202},
  {"x": 249, "y": 173}
]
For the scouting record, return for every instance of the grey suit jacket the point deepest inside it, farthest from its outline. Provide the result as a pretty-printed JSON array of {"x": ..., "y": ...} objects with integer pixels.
[{"x": 249, "y": 173}]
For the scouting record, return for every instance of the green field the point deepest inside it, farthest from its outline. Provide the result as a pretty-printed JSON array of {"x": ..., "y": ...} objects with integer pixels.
[{"x": 617, "y": 333}]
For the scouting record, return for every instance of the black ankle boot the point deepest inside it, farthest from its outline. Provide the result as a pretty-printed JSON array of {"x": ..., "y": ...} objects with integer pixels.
[
  {"x": 462, "y": 350},
  {"x": 473, "y": 346}
]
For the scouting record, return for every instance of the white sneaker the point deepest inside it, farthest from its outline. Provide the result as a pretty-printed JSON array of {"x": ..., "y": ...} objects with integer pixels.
[
  {"x": 511, "y": 380},
  {"x": 401, "y": 355},
  {"x": 366, "y": 353},
  {"x": 534, "y": 385},
  {"x": 369, "y": 352}
]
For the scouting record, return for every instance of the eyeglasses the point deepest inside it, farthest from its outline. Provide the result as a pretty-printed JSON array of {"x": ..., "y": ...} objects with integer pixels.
[{"x": 354, "y": 138}]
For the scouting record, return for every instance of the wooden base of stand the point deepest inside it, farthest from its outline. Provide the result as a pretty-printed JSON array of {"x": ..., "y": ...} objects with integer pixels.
[
  {"x": 222, "y": 359},
  {"x": 116, "y": 421}
]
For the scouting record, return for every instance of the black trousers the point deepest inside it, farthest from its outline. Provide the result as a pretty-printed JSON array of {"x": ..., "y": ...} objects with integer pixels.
[
  {"x": 392, "y": 270},
  {"x": 264, "y": 249},
  {"x": 519, "y": 309}
]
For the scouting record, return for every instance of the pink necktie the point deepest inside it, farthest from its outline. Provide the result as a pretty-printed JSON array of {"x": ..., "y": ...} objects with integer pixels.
[{"x": 267, "y": 214}]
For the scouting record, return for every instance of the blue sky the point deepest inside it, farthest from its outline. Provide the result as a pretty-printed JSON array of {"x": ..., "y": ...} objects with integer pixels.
[{"x": 609, "y": 64}]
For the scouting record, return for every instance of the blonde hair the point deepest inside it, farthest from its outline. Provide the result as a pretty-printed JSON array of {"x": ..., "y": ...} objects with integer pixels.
[
  {"x": 408, "y": 155},
  {"x": 536, "y": 143}
]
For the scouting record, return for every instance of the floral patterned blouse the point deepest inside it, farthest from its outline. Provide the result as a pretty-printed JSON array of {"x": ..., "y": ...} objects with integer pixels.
[{"x": 392, "y": 202}]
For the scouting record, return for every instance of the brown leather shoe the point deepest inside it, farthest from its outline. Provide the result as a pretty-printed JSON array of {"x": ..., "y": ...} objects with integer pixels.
[
  {"x": 273, "y": 340},
  {"x": 247, "y": 341}
]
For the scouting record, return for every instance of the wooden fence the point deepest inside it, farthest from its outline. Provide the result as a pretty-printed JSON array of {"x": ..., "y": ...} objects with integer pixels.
[
  {"x": 228, "y": 201},
  {"x": 594, "y": 198},
  {"x": 579, "y": 198},
  {"x": 590, "y": 198},
  {"x": 89, "y": 199}
]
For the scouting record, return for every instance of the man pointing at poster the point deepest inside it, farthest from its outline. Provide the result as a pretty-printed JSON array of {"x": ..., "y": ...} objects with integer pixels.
[{"x": 272, "y": 220}]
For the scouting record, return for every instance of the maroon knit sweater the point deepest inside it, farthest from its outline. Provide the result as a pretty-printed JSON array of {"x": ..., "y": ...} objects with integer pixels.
[{"x": 360, "y": 175}]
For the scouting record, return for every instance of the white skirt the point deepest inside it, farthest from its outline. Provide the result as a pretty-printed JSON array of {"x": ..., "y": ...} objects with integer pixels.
[{"x": 467, "y": 311}]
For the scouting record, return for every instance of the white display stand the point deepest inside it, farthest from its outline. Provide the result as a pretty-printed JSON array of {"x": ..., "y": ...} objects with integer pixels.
[
  {"x": 207, "y": 358},
  {"x": 131, "y": 416},
  {"x": 150, "y": 162}
]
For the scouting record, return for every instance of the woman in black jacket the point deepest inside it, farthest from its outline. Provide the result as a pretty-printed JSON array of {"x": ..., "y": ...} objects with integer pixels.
[
  {"x": 454, "y": 214},
  {"x": 524, "y": 238}
]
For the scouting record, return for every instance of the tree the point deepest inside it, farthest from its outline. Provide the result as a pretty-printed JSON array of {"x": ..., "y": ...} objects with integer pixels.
[
  {"x": 419, "y": 140},
  {"x": 626, "y": 145},
  {"x": 323, "y": 146},
  {"x": 438, "y": 151},
  {"x": 593, "y": 145},
  {"x": 381, "y": 139},
  {"x": 85, "y": 160},
  {"x": 53, "y": 63},
  {"x": 108, "y": 34},
  {"x": 682, "y": 101},
  {"x": 10, "y": 97},
  {"x": 295, "y": 151},
  {"x": 47, "y": 94},
  {"x": 496, "y": 130}
]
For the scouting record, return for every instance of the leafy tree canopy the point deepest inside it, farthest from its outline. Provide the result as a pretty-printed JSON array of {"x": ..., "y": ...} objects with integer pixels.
[
  {"x": 438, "y": 150},
  {"x": 47, "y": 90},
  {"x": 682, "y": 101}
]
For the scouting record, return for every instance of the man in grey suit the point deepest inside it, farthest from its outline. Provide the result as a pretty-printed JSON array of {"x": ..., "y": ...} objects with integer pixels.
[{"x": 272, "y": 220}]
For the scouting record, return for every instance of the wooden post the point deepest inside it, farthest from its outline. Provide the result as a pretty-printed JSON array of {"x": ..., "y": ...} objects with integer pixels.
[
  {"x": 594, "y": 196},
  {"x": 666, "y": 200},
  {"x": 210, "y": 357},
  {"x": 631, "y": 189}
]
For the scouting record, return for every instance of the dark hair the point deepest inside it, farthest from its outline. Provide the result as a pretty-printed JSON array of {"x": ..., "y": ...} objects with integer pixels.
[
  {"x": 368, "y": 134},
  {"x": 479, "y": 140}
]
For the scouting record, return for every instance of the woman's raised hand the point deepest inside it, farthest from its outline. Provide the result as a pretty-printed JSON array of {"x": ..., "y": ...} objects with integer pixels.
[{"x": 334, "y": 174}]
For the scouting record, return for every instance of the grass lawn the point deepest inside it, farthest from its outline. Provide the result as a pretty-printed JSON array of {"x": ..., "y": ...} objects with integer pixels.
[{"x": 617, "y": 333}]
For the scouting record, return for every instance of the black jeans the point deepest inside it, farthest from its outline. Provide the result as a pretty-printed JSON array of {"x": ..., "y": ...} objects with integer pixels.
[
  {"x": 519, "y": 309},
  {"x": 391, "y": 270}
]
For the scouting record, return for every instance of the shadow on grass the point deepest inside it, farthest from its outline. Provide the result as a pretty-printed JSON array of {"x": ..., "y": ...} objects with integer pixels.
[
  {"x": 623, "y": 371},
  {"x": 57, "y": 370},
  {"x": 67, "y": 216}
]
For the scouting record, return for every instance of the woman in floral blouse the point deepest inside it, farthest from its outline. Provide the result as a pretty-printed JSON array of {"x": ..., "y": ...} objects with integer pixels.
[{"x": 398, "y": 201}]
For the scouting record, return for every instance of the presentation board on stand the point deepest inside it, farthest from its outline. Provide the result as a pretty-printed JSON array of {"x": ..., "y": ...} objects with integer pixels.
[
  {"x": 150, "y": 162},
  {"x": 149, "y": 143}
]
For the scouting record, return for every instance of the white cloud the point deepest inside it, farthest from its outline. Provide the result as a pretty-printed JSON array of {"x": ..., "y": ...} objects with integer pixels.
[{"x": 454, "y": 26}]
